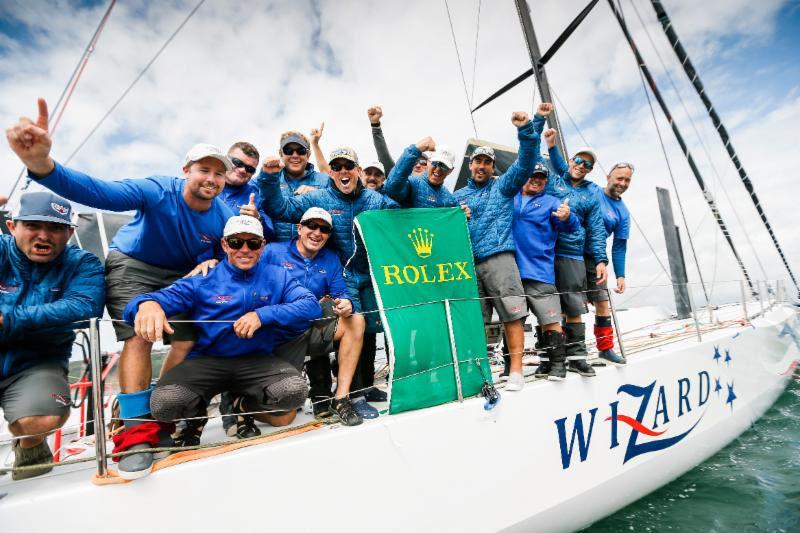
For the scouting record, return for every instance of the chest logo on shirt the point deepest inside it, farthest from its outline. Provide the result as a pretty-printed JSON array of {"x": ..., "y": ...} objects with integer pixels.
[
  {"x": 335, "y": 211},
  {"x": 287, "y": 265},
  {"x": 322, "y": 271},
  {"x": 206, "y": 239},
  {"x": 431, "y": 198},
  {"x": 7, "y": 289},
  {"x": 264, "y": 297},
  {"x": 222, "y": 299}
]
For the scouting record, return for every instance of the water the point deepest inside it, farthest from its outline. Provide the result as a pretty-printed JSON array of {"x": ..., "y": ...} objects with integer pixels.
[{"x": 751, "y": 485}]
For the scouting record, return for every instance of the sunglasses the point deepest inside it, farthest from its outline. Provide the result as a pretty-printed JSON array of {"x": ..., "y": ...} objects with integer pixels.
[
  {"x": 422, "y": 162},
  {"x": 323, "y": 228},
  {"x": 236, "y": 243},
  {"x": 439, "y": 164},
  {"x": 622, "y": 165},
  {"x": 336, "y": 167},
  {"x": 585, "y": 162},
  {"x": 238, "y": 163},
  {"x": 288, "y": 150}
]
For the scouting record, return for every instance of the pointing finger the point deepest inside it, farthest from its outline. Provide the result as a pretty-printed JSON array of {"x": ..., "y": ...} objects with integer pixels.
[
  {"x": 44, "y": 117},
  {"x": 321, "y": 127}
]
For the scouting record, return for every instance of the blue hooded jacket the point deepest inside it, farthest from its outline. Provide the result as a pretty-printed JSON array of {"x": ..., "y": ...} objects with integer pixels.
[
  {"x": 591, "y": 235},
  {"x": 492, "y": 202},
  {"x": 228, "y": 293},
  {"x": 236, "y": 196},
  {"x": 415, "y": 191},
  {"x": 284, "y": 230},
  {"x": 535, "y": 232},
  {"x": 41, "y": 303}
]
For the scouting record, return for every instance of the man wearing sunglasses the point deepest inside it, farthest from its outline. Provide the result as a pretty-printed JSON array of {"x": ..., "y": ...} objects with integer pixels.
[
  {"x": 617, "y": 221},
  {"x": 319, "y": 270},
  {"x": 580, "y": 250},
  {"x": 239, "y": 194},
  {"x": 427, "y": 189},
  {"x": 344, "y": 200},
  {"x": 491, "y": 204},
  {"x": 245, "y": 303},
  {"x": 178, "y": 222}
]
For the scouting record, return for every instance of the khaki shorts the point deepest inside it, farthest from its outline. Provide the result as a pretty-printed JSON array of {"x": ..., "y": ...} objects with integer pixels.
[
  {"x": 127, "y": 278},
  {"x": 499, "y": 286},
  {"x": 542, "y": 301},
  {"x": 37, "y": 391}
]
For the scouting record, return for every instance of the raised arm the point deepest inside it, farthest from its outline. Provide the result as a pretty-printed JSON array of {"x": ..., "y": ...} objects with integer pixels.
[
  {"x": 556, "y": 159},
  {"x": 375, "y": 114},
  {"x": 319, "y": 155},
  {"x": 518, "y": 173},
  {"x": 397, "y": 186}
]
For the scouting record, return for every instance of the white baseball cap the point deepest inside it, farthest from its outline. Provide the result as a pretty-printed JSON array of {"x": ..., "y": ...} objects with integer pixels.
[
  {"x": 488, "y": 151},
  {"x": 243, "y": 224},
  {"x": 445, "y": 156},
  {"x": 586, "y": 150},
  {"x": 375, "y": 164},
  {"x": 202, "y": 150},
  {"x": 317, "y": 213}
]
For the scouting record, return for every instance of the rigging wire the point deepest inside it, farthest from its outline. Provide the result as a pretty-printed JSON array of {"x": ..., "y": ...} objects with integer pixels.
[
  {"x": 69, "y": 88},
  {"x": 714, "y": 170},
  {"x": 461, "y": 68},
  {"x": 475, "y": 56},
  {"x": 134, "y": 82}
]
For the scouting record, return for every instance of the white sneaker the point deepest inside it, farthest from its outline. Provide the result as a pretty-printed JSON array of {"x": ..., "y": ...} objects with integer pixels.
[{"x": 515, "y": 382}]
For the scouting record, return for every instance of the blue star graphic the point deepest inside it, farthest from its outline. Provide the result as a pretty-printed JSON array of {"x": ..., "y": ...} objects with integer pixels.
[
  {"x": 717, "y": 386},
  {"x": 731, "y": 395},
  {"x": 728, "y": 357},
  {"x": 717, "y": 355}
]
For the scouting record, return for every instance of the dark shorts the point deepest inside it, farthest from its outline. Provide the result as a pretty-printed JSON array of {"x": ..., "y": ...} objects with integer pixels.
[
  {"x": 542, "y": 301},
  {"x": 595, "y": 292},
  {"x": 571, "y": 283},
  {"x": 127, "y": 278},
  {"x": 499, "y": 286},
  {"x": 316, "y": 341},
  {"x": 38, "y": 391}
]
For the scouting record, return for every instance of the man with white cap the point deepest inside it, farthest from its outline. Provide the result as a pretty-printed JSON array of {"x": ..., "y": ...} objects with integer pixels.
[
  {"x": 178, "y": 222},
  {"x": 374, "y": 176},
  {"x": 46, "y": 287},
  {"x": 241, "y": 305},
  {"x": 568, "y": 181},
  {"x": 426, "y": 190},
  {"x": 319, "y": 270}
]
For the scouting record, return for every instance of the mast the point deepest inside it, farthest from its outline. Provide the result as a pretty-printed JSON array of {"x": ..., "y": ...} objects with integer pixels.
[
  {"x": 695, "y": 171},
  {"x": 694, "y": 78},
  {"x": 535, "y": 55}
]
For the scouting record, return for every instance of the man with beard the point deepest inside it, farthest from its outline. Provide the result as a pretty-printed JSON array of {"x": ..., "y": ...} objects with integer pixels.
[
  {"x": 46, "y": 289},
  {"x": 177, "y": 222},
  {"x": 374, "y": 176},
  {"x": 427, "y": 189},
  {"x": 344, "y": 200},
  {"x": 491, "y": 202},
  {"x": 589, "y": 240},
  {"x": 617, "y": 221},
  {"x": 239, "y": 194}
]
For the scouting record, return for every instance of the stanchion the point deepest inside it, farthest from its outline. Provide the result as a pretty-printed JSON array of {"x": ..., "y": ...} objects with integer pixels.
[
  {"x": 616, "y": 324},
  {"x": 97, "y": 397},
  {"x": 744, "y": 301},
  {"x": 760, "y": 296},
  {"x": 453, "y": 352},
  {"x": 694, "y": 314}
]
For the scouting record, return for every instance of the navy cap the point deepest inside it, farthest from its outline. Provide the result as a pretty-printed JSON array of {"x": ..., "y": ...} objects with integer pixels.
[
  {"x": 44, "y": 206},
  {"x": 295, "y": 139},
  {"x": 540, "y": 169}
]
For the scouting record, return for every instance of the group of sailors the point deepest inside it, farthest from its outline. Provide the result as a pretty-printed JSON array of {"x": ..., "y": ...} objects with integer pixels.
[{"x": 275, "y": 277}]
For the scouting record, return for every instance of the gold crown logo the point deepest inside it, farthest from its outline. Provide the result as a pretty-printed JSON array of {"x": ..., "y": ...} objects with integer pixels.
[{"x": 422, "y": 240}]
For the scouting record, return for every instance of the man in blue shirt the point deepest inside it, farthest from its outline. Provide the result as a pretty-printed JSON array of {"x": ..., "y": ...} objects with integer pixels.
[
  {"x": 245, "y": 303},
  {"x": 241, "y": 195},
  {"x": 617, "y": 222},
  {"x": 538, "y": 219},
  {"x": 46, "y": 289},
  {"x": 178, "y": 222}
]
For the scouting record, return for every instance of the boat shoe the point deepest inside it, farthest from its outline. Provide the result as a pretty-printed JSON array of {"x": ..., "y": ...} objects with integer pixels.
[
  {"x": 38, "y": 455},
  {"x": 364, "y": 409},
  {"x": 611, "y": 357},
  {"x": 347, "y": 414}
]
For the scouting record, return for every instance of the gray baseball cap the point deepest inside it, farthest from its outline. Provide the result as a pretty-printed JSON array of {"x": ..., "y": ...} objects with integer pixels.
[{"x": 44, "y": 206}]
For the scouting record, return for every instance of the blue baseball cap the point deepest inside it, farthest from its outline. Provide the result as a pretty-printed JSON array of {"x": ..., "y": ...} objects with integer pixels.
[{"x": 44, "y": 206}]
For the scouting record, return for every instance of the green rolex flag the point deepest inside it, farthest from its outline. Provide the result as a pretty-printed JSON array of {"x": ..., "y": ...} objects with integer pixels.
[{"x": 421, "y": 263}]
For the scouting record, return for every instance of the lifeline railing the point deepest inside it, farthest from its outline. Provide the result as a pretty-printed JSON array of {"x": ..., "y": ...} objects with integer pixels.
[{"x": 767, "y": 299}]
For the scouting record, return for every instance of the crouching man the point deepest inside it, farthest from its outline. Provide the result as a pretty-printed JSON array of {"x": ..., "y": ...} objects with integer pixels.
[
  {"x": 244, "y": 302},
  {"x": 45, "y": 288}
]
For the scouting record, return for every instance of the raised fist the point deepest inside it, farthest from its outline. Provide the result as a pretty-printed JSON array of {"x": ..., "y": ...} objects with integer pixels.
[
  {"x": 520, "y": 118},
  {"x": 550, "y": 137},
  {"x": 426, "y": 144},
  {"x": 544, "y": 109},
  {"x": 375, "y": 113},
  {"x": 272, "y": 164},
  {"x": 316, "y": 133}
]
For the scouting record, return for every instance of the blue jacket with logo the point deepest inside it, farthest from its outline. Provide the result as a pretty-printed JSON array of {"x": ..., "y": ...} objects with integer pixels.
[
  {"x": 40, "y": 303},
  {"x": 617, "y": 221},
  {"x": 343, "y": 209},
  {"x": 235, "y": 197},
  {"x": 591, "y": 235},
  {"x": 535, "y": 232},
  {"x": 492, "y": 202},
  {"x": 322, "y": 275},
  {"x": 284, "y": 230},
  {"x": 165, "y": 231},
  {"x": 415, "y": 191},
  {"x": 228, "y": 293}
]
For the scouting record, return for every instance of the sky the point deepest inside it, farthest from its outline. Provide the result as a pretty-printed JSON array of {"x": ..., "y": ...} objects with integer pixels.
[{"x": 250, "y": 70}]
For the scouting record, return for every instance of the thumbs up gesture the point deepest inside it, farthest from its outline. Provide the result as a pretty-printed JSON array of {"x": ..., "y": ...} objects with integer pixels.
[
  {"x": 250, "y": 208},
  {"x": 562, "y": 213}
]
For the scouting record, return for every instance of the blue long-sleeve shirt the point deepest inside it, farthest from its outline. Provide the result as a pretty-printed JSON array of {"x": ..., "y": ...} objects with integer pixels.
[
  {"x": 535, "y": 232},
  {"x": 165, "y": 231},
  {"x": 322, "y": 275},
  {"x": 415, "y": 191},
  {"x": 41, "y": 303},
  {"x": 237, "y": 196},
  {"x": 617, "y": 222},
  {"x": 228, "y": 293}
]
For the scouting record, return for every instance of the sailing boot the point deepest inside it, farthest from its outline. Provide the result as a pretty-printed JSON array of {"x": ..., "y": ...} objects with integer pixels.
[
  {"x": 604, "y": 335},
  {"x": 542, "y": 348},
  {"x": 554, "y": 342},
  {"x": 576, "y": 349}
]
